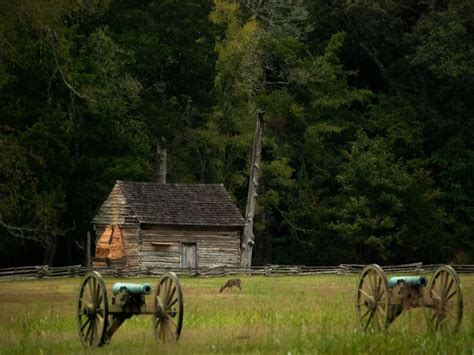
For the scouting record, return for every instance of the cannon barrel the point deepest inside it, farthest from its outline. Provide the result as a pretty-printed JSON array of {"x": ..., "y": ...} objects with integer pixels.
[
  {"x": 416, "y": 281},
  {"x": 136, "y": 289}
]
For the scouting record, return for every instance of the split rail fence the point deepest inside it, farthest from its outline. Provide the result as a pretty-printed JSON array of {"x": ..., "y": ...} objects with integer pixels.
[{"x": 44, "y": 271}]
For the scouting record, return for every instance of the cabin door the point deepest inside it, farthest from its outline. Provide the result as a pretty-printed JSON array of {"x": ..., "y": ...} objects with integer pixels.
[{"x": 188, "y": 255}]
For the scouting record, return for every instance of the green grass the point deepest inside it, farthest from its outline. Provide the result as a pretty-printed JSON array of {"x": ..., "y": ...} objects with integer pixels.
[{"x": 271, "y": 315}]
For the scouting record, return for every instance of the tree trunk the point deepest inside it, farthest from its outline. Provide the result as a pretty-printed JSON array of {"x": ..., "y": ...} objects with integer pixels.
[
  {"x": 161, "y": 164},
  {"x": 49, "y": 252},
  {"x": 88, "y": 249},
  {"x": 248, "y": 238},
  {"x": 423, "y": 96}
]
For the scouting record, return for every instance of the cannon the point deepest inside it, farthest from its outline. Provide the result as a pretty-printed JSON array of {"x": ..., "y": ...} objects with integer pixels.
[
  {"x": 379, "y": 301},
  {"x": 98, "y": 318}
]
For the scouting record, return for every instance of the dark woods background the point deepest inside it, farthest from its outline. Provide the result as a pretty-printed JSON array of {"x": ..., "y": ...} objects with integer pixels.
[{"x": 368, "y": 152}]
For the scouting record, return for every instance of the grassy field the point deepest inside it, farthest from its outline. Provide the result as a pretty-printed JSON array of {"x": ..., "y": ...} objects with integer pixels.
[{"x": 271, "y": 315}]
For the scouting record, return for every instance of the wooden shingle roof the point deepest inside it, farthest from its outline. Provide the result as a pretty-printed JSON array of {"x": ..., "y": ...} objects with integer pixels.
[{"x": 181, "y": 204}]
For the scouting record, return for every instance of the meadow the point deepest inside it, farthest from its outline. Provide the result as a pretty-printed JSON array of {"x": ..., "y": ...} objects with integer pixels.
[{"x": 270, "y": 315}]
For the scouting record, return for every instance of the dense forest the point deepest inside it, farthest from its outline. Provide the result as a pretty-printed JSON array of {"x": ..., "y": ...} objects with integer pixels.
[{"x": 368, "y": 136}]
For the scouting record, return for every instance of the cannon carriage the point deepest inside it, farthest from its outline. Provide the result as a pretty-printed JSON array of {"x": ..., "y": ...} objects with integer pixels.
[
  {"x": 98, "y": 318},
  {"x": 379, "y": 300}
]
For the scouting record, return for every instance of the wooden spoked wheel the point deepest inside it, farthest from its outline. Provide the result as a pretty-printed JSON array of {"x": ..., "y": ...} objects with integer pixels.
[
  {"x": 168, "y": 317},
  {"x": 446, "y": 308},
  {"x": 372, "y": 299},
  {"x": 92, "y": 310}
]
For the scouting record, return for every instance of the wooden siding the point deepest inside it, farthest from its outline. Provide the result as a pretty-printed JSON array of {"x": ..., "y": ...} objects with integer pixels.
[
  {"x": 113, "y": 211},
  {"x": 214, "y": 247},
  {"x": 131, "y": 243}
]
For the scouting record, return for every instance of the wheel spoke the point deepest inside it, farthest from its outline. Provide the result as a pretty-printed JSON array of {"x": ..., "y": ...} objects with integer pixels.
[
  {"x": 85, "y": 324},
  {"x": 369, "y": 320},
  {"x": 170, "y": 296},
  {"x": 361, "y": 303},
  {"x": 372, "y": 283},
  {"x": 100, "y": 298},
  {"x": 162, "y": 289},
  {"x": 382, "y": 310},
  {"x": 364, "y": 293},
  {"x": 96, "y": 330},
  {"x": 376, "y": 319},
  {"x": 167, "y": 329},
  {"x": 449, "y": 287},
  {"x": 169, "y": 319},
  {"x": 380, "y": 294},
  {"x": 382, "y": 299},
  {"x": 167, "y": 297},
  {"x": 443, "y": 284},
  {"x": 89, "y": 290},
  {"x": 444, "y": 323},
  {"x": 451, "y": 313},
  {"x": 170, "y": 288},
  {"x": 435, "y": 294},
  {"x": 96, "y": 292},
  {"x": 167, "y": 293},
  {"x": 160, "y": 301},
  {"x": 376, "y": 285},
  {"x": 93, "y": 302},
  {"x": 88, "y": 332},
  {"x": 100, "y": 320},
  {"x": 172, "y": 303},
  {"x": 365, "y": 314},
  {"x": 452, "y": 294},
  {"x": 381, "y": 320},
  {"x": 157, "y": 322}
]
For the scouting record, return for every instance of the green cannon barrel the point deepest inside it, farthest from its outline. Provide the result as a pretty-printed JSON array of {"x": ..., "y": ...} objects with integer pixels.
[
  {"x": 416, "y": 281},
  {"x": 136, "y": 289}
]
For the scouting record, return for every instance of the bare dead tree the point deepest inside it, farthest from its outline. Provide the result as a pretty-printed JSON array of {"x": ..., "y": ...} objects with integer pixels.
[
  {"x": 47, "y": 239},
  {"x": 161, "y": 163},
  {"x": 248, "y": 238}
]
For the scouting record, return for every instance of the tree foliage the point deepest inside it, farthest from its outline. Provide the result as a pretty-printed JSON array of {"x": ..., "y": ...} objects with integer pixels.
[{"x": 367, "y": 154}]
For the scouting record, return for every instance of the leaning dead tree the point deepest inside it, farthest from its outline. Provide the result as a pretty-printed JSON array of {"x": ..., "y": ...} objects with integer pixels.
[{"x": 248, "y": 238}]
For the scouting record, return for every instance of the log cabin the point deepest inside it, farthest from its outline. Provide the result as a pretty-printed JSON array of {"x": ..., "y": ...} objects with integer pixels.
[{"x": 145, "y": 224}]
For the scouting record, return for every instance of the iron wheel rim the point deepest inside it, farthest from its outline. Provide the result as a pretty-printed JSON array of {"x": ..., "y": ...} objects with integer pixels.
[
  {"x": 445, "y": 291},
  {"x": 92, "y": 310},
  {"x": 168, "y": 317},
  {"x": 372, "y": 299}
]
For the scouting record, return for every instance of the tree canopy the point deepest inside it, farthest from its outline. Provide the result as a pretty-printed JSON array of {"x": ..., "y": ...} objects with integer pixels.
[{"x": 369, "y": 125}]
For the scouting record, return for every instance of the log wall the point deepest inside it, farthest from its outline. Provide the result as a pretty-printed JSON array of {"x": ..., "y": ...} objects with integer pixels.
[
  {"x": 114, "y": 211},
  {"x": 131, "y": 244},
  {"x": 161, "y": 247}
]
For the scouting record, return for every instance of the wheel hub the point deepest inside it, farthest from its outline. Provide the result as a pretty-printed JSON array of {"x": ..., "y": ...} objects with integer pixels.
[
  {"x": 160, "y": 310},
  {"x": 89, "y": 311},
  {"x": 370, "y": 302}
]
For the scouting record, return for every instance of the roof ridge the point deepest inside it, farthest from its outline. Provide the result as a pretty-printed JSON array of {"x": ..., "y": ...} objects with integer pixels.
[
  {"x": 180, "y": 204},
  {"x": 169, "y": 184}
]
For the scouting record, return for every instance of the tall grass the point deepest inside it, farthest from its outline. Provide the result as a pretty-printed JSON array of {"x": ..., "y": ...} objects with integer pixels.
[{"x": 271, "y": 315}]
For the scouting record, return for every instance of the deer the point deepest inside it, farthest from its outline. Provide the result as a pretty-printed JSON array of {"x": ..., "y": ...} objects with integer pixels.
[{"x": 230, "y": 284}]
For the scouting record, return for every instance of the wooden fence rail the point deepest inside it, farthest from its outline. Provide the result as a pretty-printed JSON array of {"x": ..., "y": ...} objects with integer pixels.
[{"x": 40, "y": 271}]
